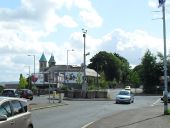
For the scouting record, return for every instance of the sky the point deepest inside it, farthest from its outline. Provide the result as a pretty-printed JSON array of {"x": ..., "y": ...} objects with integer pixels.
[{"x": 53, "y": 27}]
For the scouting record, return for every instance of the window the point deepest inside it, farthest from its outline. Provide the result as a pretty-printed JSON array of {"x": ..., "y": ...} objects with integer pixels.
[
  {"x": 17, "y": 108},
  {"x": 24, "y": 105},
  {"x": 5, "y": 109}
]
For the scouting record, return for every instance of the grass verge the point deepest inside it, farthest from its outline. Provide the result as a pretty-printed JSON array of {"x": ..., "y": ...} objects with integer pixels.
[{"x": 168, "y": 111}]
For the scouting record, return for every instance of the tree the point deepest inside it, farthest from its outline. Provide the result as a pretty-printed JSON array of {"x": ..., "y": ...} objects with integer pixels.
[
  {"x": 22, "y": 82},
  {"x": 29, "y": 85},
  {"x": 161, "y": 63},
  {"x": 107, "y": 63},
  {"x": 149, "y": 72},
  {"x": 134, "y": 78},
  {"x": 125, "y": 68}
]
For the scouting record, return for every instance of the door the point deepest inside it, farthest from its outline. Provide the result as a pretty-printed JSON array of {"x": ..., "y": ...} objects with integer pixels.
[
  {"x": 5, "y": 109},
  {"x": 19, "y": 116}
]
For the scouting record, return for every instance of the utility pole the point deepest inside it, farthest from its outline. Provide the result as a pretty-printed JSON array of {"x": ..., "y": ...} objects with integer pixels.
[
  {"x": 162, "y": 4},
  {"x": 84, "y": 86}
]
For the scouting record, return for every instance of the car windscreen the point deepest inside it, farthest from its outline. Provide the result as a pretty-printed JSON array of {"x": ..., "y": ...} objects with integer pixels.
[{"x": 124, "y": 93}]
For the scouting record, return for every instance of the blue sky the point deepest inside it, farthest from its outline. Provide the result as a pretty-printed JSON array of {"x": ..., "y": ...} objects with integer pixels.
[{"x": 55, "y": 26}]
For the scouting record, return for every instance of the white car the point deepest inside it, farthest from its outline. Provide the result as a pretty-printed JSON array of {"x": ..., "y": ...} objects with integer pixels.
[
  {"x": 125, "y": 96},
  {"x": 127, "y": 88},
  {"x": 14, "y": 113}
]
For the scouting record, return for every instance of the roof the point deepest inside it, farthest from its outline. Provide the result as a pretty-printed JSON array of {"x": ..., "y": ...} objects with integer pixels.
[
  {"x": 91, "y": 72},
  {"x": 51, "y": 59},
  {"x": 43, "y": 59},
  {"x": 57, "y": 68},
  {"x": 63, "y": 68},
  {"x": 2, "y": 98}
]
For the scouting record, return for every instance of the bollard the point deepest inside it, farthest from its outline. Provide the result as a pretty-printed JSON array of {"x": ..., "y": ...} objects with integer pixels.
[
  {"x": 54, "y": 95},
  {"x": 61, "y": 95}
]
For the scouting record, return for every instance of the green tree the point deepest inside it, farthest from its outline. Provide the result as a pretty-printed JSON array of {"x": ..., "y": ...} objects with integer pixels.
[
  {"x": 161, "y": 63},
  {"x": 149, "y": 71},
  {"x": 1, "y": 88},
  {"x": 108, "y": 64},
  {"x": 135, "y": 79},
  {"x": 22, "y": 82},
  {"x": 125, "y": 68},
  {"x": 29, "y": 85}
]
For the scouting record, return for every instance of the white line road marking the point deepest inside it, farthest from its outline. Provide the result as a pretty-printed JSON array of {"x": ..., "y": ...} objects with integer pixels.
[
  {"x": 87, "y": 124},
  {"x": 158, "y": 100}
]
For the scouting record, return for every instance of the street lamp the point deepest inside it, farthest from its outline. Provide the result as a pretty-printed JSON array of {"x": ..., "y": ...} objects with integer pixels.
[
  {"x": 67, "y": 57},
  {"x": 84, "y": 86},
  {"x": 34, "y": 66},
  {"x": 162, "y": 4}
]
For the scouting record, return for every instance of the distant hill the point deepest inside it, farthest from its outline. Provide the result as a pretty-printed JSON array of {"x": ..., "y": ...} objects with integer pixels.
[{"x": 10, "y": 83}]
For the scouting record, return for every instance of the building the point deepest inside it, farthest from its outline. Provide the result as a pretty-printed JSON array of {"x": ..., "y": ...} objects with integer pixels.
[{"x": 53, "y": 75}]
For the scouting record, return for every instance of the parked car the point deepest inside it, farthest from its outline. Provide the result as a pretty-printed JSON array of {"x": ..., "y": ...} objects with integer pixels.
[
  {"x": 26, "y": 93},
  {"x": 14, "y": 113},
  {"x": 162, "y": 98},
  {"x": 125, "y": 96},
  {"x": 10, "y": 93},
  {"x": 127, "y": 88}
]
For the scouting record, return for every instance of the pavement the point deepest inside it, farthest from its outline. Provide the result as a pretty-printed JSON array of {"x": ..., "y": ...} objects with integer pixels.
[{"x": 146, "y": 117}]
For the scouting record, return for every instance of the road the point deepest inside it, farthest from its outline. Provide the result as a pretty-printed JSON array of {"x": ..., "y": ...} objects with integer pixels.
[{"x": 78, "y": 113}]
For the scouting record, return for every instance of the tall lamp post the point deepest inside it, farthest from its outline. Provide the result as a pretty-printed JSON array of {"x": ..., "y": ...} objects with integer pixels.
[
  {"x": 162, "y": 4},
  {"x": 34, "y": 66},
  {"x": 84, "y": 86},
  {"x": 67, "y": 62}
]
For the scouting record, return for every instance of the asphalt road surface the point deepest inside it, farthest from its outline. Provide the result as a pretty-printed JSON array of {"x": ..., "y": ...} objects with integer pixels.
[{"x": 79, "y": 113}]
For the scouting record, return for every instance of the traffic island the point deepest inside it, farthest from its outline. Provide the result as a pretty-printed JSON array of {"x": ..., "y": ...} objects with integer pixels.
[{"x": 37, "y": 106}]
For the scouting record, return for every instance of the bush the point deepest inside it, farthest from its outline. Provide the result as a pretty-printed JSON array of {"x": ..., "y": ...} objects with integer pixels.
[
  {"x": 1, "y": 88},
  {"x": 63, "y": 88},
  {"x": 92, "y": 87},
  {"x": 168, "y": 111},
  {"x": 34, "y": 89}
]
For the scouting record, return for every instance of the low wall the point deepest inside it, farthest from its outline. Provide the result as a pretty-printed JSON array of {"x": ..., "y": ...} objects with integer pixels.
[{"x": 89, "y": 94}]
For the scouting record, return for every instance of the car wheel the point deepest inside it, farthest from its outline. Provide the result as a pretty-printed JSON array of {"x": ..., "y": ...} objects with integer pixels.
[
  {"x": 132, "y": 101},
  {"x": 31, "y": 98},
  {"x": 30, "y": 126},
  {"x": 129, "y": 102}
]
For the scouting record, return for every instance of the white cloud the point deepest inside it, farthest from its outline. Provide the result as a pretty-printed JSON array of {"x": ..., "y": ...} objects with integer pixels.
[
  {"x": 131, "y": 45},
  {"x": 68, "y": 21},
  {"x": 137, "y": 39},
  {"x": 91, "y": 19}
]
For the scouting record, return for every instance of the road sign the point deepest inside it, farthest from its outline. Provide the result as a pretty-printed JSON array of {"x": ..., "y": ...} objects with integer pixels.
[{"x": 161, "y": 2}]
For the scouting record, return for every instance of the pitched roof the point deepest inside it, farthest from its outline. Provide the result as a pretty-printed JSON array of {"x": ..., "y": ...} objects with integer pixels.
[
  {"x": 51, "y": 59},
  {"x": 43, "y": 59}
]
